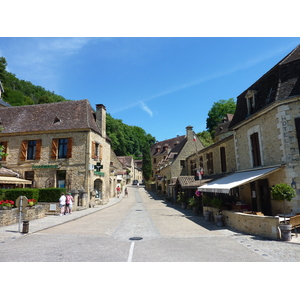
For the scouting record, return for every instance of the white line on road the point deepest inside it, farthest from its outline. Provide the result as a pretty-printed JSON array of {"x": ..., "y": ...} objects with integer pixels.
[{"x": 130, "y": 252}]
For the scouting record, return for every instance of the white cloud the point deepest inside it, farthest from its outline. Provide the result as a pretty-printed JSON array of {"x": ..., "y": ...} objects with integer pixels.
[{"x": 146, "y": 109}]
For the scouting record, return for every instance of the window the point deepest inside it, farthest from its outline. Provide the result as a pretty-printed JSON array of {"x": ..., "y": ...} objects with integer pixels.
[
  {"x": 4, "y": 150},
  {"x": 182, "y": 163},
  {"x": 61, "y": 178},
  {"x": 154, "y": 160},
  {"x": 31, "y": 150},
  {"x": 223, "y": 159},
  {"x": 297, "y": 123},
  {"x": 96, "y": 151},
  {"x": 256, "y": 158},
  {"x": 210, "y": 163},
  {"x": 250, "y": 98},
  {"x": 62, "y": 148}
]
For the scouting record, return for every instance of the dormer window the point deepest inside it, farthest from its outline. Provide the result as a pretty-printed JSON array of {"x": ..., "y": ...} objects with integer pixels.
[
  {"x": 56, "y": 120},
  {"x": 250, "y": 99}
]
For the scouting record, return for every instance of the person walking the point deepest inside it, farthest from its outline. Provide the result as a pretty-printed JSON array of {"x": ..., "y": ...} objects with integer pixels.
[
  {"x": 118, "y": 191},
  {"x": 126, "y": 193},
  {"x": 62, "y": 204},
  {"x": 69, "y": 203}
]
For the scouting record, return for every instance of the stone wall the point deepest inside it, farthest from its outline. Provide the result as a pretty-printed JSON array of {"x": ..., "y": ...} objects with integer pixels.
[
  {"x": 265, "y": 226},
  {"x": 11, "y": 216}
]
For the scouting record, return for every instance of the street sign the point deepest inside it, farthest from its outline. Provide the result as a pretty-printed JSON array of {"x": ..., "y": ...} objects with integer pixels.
[{"x": 22, "y": 201}]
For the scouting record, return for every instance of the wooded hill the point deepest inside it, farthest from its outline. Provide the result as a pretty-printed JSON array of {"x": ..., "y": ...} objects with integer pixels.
[{"x": 125, "y": 140}]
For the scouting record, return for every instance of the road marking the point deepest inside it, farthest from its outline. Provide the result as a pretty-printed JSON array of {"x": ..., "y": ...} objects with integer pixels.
[{"x": 130, "y": 252}]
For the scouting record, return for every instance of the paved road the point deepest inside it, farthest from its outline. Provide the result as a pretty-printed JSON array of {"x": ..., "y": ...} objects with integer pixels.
[{"x": 144, "y": 228}]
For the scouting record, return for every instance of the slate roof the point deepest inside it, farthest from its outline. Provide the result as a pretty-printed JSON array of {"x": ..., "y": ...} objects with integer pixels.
[
  {"x": 279, "y": 83},
  {"x": 224, "y": 126},
  {"x": 3, "y": 103},
  {"x": 170, "y": 142},
  {"x": 66, "y": 115}
]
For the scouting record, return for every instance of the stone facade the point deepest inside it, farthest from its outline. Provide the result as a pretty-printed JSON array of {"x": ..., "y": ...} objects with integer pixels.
[{"x": 70, "y": 148}]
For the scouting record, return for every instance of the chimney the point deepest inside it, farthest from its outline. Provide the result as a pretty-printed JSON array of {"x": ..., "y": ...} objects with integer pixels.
[
  {"x": 101, "y": 118},
  {"x": 189, "y": 132}
]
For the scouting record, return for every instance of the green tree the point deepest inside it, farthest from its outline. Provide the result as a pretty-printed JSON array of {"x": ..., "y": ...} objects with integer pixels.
[
  {"x": 205, "y": 138},
  {"x": 3, "y": 65},
  {"x": 147, "y": 163},
  {"x": 217, "y": 113}
]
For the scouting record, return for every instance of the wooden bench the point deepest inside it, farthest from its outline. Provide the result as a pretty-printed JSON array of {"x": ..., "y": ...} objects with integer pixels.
[{"x": 295, "y": 222}]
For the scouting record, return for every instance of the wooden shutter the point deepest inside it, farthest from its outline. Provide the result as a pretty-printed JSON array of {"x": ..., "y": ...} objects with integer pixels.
[
  {"x": 38, "y": 149},
  {"x": 54, "y": 148},
  {"x": 69, "y": 148},
  {"x": 93, "y": 149},
  {"x": 255, "y": 150},
  {"x": 101, "y": 152},
  {"x": 223, "y": 159},
  {"x": 23, "y": 150},
  {"x": 4, "y": 144}
]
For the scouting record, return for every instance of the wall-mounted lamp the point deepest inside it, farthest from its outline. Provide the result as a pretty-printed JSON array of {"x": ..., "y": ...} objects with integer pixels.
[{"x": 293, "y": 184}]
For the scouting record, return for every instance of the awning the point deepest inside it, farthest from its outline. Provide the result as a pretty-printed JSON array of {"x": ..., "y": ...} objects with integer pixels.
[
  {"x": 13, "y": 180},
  {"x": 224, "y": 184}
]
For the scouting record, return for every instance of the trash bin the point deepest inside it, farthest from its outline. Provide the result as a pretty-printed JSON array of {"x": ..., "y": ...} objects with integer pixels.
[{"x": 25, "y": 227}]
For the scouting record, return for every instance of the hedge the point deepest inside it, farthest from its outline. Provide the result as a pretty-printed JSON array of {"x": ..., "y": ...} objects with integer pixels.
[
  {"x": 50, "y": 194},
  {"x": 41, "y": 195}
]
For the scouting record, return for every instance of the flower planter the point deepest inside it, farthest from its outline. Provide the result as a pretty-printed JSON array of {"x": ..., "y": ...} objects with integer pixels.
[
  {"x": 207, "y": 215},
  {"x": 219, "y": 220},
  {"x": 286, "y": 232}
]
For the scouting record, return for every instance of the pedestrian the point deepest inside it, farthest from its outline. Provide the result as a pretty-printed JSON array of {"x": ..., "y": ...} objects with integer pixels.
[
  {"x": 69, "y": 203},
  {"x": 126, "y": 193},
  {"x": 62, "y": 204},
  {"x": 118, "y": 191}
]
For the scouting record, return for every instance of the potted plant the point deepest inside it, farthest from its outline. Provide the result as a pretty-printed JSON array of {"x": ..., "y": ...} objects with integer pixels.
[
  {"x": 284, "y": 192},
  {"x": 218, "y": 216},
  {"x": 194, "y": 205},
  {"x": 182, "y": 199}
]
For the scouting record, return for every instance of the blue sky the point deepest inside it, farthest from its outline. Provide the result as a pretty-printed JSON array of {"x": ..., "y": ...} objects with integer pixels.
[{"x": 161, "y": 84}]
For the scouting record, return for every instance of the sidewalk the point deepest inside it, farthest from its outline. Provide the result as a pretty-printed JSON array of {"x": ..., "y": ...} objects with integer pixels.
[{"x": 11, "y": 232}]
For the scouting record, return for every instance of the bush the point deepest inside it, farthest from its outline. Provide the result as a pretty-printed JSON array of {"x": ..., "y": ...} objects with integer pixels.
[
  {"x": 40, "y": 195},
  {"x": 50, "y": 194},
  {"x": 13, "y": 194}
]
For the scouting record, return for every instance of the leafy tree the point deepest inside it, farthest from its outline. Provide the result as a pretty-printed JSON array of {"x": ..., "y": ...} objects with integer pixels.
[
  {"x": 147, "y": 163},
  {"x": 217, "y": 113},
  {"x": 205, "y": 138}
]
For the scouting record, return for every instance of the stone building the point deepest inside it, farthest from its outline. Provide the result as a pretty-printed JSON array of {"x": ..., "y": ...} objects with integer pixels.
[
  {"x": 266, "y": 131},
  {"x": 61, "y": 144},
  {"x": 169, "y": 160}
]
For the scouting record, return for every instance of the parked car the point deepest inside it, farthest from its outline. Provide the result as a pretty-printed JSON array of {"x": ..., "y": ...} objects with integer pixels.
[{"x": 135, "y": 182}]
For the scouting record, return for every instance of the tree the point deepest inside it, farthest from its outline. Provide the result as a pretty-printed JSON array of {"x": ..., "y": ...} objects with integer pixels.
[
  {"x": 3, "y": 65},
  {"x": 147, "y": 164},
  {"x": 217, "y": 113},
  {"x": 205, "y": 138}
]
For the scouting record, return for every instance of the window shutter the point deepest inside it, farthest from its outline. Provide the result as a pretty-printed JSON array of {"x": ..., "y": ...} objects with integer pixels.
[
  {"x": 23, "y": 150},
  {"x": 69, "y": 149},
  {"x": 101, "y": 152},
  {"x": 93, "y": 149},
  {"x": 54, "y": 148},
  {"x": 38, "y": 149}
]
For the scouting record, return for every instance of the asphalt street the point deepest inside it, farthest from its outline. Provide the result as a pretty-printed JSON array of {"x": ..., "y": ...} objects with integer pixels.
[{"x": 140, "y": 228}]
